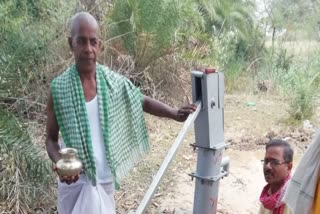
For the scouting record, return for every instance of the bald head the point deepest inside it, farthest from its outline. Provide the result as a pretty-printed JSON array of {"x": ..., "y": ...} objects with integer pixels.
[
  {"x": 82, "y": 18},
  {"x": 84, "y": 41}
]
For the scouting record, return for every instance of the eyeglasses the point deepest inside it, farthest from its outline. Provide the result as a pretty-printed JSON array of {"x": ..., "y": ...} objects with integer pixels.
[{"x": 272, "y": 162}]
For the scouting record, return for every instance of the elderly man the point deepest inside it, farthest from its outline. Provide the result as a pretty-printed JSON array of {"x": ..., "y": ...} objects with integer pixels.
[
  {"x": 99, "y": 113},
  {"x": 277, "y": 165}
]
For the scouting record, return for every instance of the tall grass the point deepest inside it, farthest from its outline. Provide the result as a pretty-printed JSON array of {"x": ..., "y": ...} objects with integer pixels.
[{"x": 295, "y": 77}]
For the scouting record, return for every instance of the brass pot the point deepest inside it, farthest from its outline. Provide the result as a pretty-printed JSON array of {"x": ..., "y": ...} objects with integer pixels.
[{"x": 68, "y": 165}]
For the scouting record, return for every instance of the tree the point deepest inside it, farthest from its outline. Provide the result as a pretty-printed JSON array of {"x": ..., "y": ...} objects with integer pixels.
[
  {"x": 235, "y": 16},
  {"x": 294, "y": 16}
]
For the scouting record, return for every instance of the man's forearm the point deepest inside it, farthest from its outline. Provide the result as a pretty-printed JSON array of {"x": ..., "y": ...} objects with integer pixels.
[
  {"x": 53, "y": 150},
  {"x": 158, "y": 108}
]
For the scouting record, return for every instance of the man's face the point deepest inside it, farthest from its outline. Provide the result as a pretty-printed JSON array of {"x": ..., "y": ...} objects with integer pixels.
[
  {"x": 85, "y": 45},
  {"x": 274, "y": 168}
]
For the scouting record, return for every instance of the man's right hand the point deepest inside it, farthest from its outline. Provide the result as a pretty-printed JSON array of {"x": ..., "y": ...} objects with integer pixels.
[{"x": 66, "y": 179}]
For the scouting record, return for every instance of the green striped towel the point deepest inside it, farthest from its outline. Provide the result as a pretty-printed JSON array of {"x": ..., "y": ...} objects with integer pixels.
[{"x": 121, "y": 118}]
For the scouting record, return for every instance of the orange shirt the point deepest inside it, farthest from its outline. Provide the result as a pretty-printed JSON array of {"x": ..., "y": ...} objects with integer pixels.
[{"x": 316, "y": 202}]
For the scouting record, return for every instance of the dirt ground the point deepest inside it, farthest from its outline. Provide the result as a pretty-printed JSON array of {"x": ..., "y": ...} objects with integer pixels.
[{"x": 247, "y": 129}]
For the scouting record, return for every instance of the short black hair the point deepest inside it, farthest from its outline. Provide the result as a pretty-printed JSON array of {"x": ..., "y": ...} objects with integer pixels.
[{"x": 287, "y": 150}]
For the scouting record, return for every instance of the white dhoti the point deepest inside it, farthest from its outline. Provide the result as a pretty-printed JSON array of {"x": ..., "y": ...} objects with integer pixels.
[{"x": 84, "y": 198}]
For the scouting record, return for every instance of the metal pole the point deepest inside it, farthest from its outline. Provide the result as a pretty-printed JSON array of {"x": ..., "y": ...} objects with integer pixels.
[
  {"x": 167, "y": 161},
  {"x": 208, "y": 88}
]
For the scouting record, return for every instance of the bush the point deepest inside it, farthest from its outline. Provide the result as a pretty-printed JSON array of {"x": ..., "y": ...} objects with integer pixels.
[
  {"x": 28, "y": 29},
  {"x": 296, "y": 79},
  {"x": 25, "y": 175}
]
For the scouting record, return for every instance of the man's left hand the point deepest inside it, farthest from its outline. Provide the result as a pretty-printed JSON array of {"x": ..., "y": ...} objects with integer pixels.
[{"x": 183, "y": 113}]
